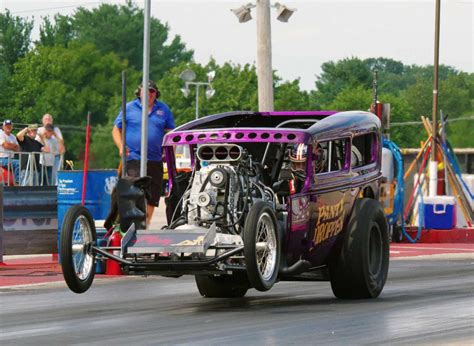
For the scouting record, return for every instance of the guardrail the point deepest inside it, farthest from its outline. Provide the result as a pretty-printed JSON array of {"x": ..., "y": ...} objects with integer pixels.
[
  {"x": 24, "y": 169},
  {"x": 28, "y": 220}
]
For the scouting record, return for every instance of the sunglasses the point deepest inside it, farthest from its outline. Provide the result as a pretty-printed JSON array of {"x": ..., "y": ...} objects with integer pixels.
[{"x": 152, "y": 91}]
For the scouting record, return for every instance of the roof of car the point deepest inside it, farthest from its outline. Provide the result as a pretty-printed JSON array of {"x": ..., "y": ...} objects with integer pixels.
[{"x": 288, "y": 126}]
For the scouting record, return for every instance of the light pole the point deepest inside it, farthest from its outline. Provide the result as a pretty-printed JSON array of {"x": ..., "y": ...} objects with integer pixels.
[
  {"x": 146, "y": 71},
  {"x": 188, "y": 76},
  {"x": 264, "y": 46},
  {"x": 433, "y": 166}
]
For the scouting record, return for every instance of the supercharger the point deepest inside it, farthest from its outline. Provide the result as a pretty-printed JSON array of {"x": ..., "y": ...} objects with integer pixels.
[{"x": 224, "y": 188}]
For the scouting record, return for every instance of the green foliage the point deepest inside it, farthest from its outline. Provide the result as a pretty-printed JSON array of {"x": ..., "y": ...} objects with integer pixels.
[
  {"x": 235, "y": 85},
  {"x": 14, "y": 39},
  {"x": 67, "y": 83},
  {"x": 337, "y": 76},
  {"x": 289, "y": 96},
  {"x": 118, "y": 29},
  {"x": 76, "y": 65},
  {"x": 60, "y": 32},
  {"x": 357, "y": 98}
]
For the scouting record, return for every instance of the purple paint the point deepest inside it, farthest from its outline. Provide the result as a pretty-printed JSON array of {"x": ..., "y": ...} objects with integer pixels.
[
  {"x": 298, "y": 113},
  {"x": 265, "y": 135}
]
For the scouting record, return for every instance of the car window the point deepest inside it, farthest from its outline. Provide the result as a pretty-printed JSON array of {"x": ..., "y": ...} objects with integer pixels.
[
  {"x": 361, "y": 150},
  {"x": 182, "y": 157},
  {"x": 329, "y": 156}
]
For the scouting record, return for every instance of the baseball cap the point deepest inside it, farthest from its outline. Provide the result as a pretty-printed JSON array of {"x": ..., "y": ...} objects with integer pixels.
[
  {"x": 32, "y": 127},
  {"x": 7, "y": 122},
  {"x": 151, "y": 85},
  {"x": 49, "y": 127}
]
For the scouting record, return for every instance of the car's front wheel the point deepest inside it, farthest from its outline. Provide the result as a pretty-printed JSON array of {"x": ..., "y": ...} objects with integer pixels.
[
  {"x": 360, "y": 270},
  {"x": 77, "y": 258},
  {"x": 261, "y": 246}
]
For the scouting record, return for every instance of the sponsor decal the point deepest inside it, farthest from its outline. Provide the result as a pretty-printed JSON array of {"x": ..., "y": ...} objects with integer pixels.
[
  {"x": 65, "y": 187},
  {"x": 110, "y": 183},
  {"x": 330, "y": 222},
  {"x": 30, "y": 224},
  {"x": 300, "y": 211},
  {"x": 160, "y": 112}
]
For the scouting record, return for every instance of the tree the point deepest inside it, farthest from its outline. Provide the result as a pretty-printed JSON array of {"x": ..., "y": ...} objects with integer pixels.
[
  {"x": 14, "y": 39},
  {"x": 336, "y": 76},
  {"x": 235, "y": 85},
  {"x": 68, "y": 82},
  {"x": 118, "y": 29},
  {"x": 289, "y": 96},
  {"x": 61, "y": 32}
]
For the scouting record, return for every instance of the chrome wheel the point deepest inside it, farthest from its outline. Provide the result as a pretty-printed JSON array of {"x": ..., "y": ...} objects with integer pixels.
[
  {"x": 76, "y": 248},
  {"x": 261, "y": 246},
  {"x": 82, "y": 259},
  {"x": 266, "y": 246}
]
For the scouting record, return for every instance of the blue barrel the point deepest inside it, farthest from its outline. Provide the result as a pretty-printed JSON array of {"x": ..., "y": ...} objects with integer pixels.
[{"x": 100, "y": 184}]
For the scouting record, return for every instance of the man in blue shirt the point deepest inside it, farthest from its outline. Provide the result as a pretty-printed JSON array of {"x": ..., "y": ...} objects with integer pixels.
[{"x": 160, "y": 121}]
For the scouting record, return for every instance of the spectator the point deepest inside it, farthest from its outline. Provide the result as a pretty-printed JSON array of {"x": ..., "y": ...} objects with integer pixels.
[
  {"x": 29, "y": 144},
  {"x": 160, "y": 121},
  {"x": 48, "y": 119},
  {"x": 51, "y": 149},
  {"x": 8, "y": 146}
]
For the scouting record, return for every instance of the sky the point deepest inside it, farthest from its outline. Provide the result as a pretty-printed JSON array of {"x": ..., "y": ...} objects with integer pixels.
[{"x": 319, "y": 31}]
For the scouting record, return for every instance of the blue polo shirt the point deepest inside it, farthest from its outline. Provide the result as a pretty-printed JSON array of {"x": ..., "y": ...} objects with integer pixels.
[{"x": 159, "y": 119}]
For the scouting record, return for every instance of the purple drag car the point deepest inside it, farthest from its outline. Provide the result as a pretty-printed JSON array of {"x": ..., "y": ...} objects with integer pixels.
[{"x": 277, "y": 196}]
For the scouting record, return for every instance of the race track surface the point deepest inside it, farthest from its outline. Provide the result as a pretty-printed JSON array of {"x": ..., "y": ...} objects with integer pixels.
[{"x": 424, "y": 301}]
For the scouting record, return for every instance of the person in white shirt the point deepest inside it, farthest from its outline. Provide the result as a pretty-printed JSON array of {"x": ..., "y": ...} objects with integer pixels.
[
  {"x": 8, "y": 147},
  {"x": 48, "y": 119},
  {"x": 50, "y": 149}
]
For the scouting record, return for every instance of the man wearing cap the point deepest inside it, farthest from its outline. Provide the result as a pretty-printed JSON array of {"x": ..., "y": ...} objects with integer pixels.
[
  {"x": 160, "y": 121},
  {"x": 51, "y": 149},
  {"x": 28, "y": 144},
  {"x": 8, "y": 147},
  {"x": 48, "y": 119}
]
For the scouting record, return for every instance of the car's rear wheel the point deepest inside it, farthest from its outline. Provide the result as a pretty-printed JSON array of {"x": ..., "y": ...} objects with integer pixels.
[
  {"x": 261, "y": 246},
  {"x": 223, "y": 286},
  {"x": 360, "y": 271},
  {"x": 77, "y": 258}
]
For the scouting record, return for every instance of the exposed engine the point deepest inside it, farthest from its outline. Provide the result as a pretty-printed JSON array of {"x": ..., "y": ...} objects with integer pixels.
[{"x": 224, "y": 188}]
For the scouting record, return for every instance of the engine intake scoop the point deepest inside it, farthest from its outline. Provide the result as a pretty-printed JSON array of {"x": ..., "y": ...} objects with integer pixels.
[{"x": 220, "y": 153}]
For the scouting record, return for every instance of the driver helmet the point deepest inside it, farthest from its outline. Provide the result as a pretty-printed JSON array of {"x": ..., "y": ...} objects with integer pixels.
[{"x": 298, "y": 156}]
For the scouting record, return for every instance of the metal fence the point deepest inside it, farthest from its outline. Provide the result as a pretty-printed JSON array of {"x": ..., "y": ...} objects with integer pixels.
[{"x": 25, "y": 169}]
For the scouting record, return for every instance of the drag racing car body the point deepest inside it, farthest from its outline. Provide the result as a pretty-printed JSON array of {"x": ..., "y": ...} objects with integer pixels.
[{"x": 277, "y": 196}]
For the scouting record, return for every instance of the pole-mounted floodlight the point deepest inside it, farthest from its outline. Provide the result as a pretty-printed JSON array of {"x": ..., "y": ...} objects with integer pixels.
[
  {"x": 188, "y": 75},
  {"x": 243, "y": 12},
  {"x": 210, "y": 92},
  {"x": 185, "y": 91},
  {"x": 283, "y": 13},
  {"x": 264, "y": 46},
  {"x": 210, "y": 76}
]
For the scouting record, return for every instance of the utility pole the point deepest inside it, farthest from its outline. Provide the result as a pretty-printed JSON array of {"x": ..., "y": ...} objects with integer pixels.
[
  {"x": 146, "y": 71},
  {"x": 264, "y": 57},
  {"x": 433, "y": 168}
]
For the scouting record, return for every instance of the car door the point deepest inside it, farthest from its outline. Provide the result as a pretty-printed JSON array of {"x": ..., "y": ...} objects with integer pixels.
[{"x": 331, "y": 198}]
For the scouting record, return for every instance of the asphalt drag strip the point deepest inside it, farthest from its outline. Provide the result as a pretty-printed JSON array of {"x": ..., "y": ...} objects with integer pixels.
[{"x": 425, "y": 301}]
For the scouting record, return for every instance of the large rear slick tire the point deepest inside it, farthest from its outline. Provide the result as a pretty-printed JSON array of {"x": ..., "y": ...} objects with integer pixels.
[
  {"x": 224, "y": 286},
  {"x": 361, "y": 269},
  {"x": 261, "y": 246},
  {"x": 77, "y": 258}
]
